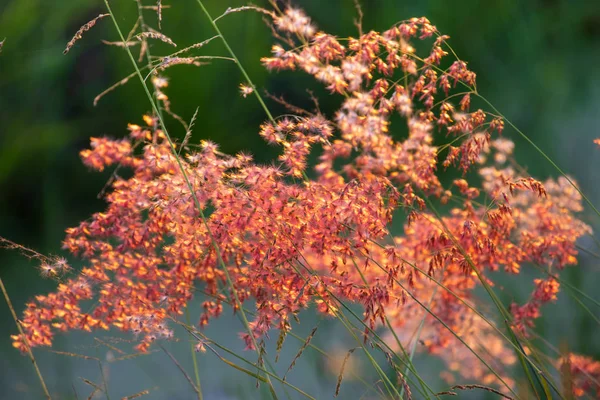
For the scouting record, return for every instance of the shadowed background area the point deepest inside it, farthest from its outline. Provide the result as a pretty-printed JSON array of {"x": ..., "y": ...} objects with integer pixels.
[{"x": 536, "y": 61}]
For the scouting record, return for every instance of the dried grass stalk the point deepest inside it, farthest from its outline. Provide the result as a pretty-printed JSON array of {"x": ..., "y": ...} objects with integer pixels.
[
  {"x": 113, "y": 87},
  {"x": 304, "y": 346},
  {"x": 121, "y": 44},
  {"x": 245, "y": 8},
  {"x": 280, "y": 341},
  {"x": 136, "y": 395},
  {"x": 92, "y": 384},
  {"x": 143, "y": 50},
  {"x": 170, "y": 61},
  {"x": 164, "y": 6},
  {"x": 75, "y": 355},
  {"x": 194, "y": 46},
  {"x": 84, "y": 28},
  {"x": 155, "y": 35},
  {"x": 341, "y": 375},
  {"x": 159, "y": 12},
  {"x": 186, "y": 139},
  {"x": 402, "y": 381},
  {"x": 487, "y": 389}
]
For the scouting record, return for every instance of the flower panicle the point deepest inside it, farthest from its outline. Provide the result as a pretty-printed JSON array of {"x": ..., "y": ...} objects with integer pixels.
[{"x": 287, "y": 241}]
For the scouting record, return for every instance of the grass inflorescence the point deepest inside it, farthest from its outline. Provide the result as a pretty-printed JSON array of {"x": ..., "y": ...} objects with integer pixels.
[{"x": 269, "y": 241}]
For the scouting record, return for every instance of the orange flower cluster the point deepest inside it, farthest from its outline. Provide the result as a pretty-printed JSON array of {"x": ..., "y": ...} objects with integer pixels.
[
  {"x": 582, "y": 374},
  {"x": 288, "y": 242}
]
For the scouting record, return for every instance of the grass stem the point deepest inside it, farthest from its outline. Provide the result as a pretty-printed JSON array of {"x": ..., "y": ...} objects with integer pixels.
[{"x": 29, "y": 352}]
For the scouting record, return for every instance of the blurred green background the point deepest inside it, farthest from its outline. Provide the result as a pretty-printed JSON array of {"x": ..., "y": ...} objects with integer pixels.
[{"x": 537, "y": 62}]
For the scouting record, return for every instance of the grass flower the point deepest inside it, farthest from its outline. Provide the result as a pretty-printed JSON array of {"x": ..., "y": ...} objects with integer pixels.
[{"x": 287, "y": 242}]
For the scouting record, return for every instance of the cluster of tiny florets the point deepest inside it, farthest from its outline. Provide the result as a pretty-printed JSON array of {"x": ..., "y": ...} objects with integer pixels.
[{"x": 287, "y": 241}]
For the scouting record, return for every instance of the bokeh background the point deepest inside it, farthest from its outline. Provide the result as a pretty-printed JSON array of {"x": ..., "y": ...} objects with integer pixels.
[{"x": 537, "y": 62}]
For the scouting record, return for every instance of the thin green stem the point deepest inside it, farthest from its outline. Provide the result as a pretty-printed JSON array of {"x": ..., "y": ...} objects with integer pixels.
[
  {"x": 347, "y": 324},
  {"x": 182, "y": 370},
  {"x": 240, "y": 66},
  {"x": 194, "y": 360},
  {"x": 242, "y": 69},
  {"x": 292, "y": 334},
  {"x": 104, "y": 383},
  {"x": 419, "y": 330},
  {"x": 199, "y": 336},
  {"x": 503, "y": 311},
  {"x": 25, "y": 341},
  {"x": 573, "y": 289},
  {"x": 376, "y": 366},
  {"x": 516, "y": 346},
  {"x": 310, "y": 271},
  {"x": 409, "y": 364},
  {"x": 191, "y": 189},
  {"x": 524, "y": 136},
  {"x": 423, "y": 306}
]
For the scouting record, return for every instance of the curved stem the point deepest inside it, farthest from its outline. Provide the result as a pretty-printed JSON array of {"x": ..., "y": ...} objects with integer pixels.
[
  {"x": 25, "y": 341},
  {"x": 192, "y": 193},
  {"x": 246, "y": 76}
]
